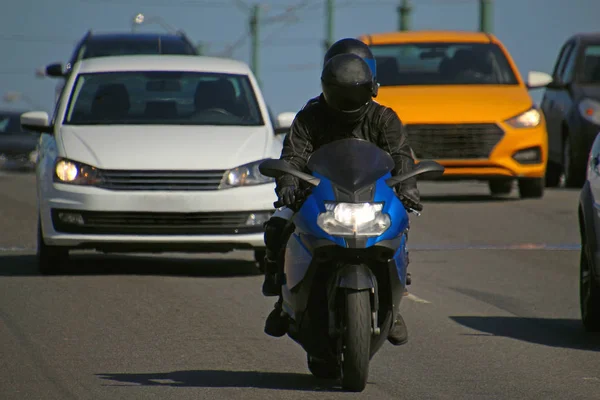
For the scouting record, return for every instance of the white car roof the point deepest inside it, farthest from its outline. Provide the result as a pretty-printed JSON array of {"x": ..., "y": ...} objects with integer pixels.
[{"x": 162, "y": 63}]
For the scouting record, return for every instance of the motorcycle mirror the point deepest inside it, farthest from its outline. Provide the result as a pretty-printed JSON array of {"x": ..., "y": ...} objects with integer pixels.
[
  {"x": 429, "y": 169},
  {"x": 276, "y": 168}
]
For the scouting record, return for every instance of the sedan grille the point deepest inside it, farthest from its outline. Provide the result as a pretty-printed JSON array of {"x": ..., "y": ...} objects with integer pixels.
[
  {"x": 161, "y": 180},
  {"x": 453, "y": 141},
  {"x": 155, "y": 223}
]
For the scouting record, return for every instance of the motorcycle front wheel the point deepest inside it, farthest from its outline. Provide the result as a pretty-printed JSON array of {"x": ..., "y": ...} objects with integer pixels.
[{"x": 356, "y": 340}]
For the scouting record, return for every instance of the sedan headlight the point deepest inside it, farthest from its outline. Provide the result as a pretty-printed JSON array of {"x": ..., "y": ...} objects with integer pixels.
[
  {"x": 76, "y": 173},
  {"x": 245, "y": 175},
  {"x": 529, "y": 119},
  {"x": 349, "y": 219},
  {"x": 590, "y": 110}
]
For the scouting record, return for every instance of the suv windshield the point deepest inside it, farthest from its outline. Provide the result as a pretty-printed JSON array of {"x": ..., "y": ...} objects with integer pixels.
[
  {"x": 590, "y": 72},
  {"x": 10, "y": 124},
  {"x": 163, "y": 98},
  {"x": 442, "y": 64},
  {"x": 121, "y": 47}
]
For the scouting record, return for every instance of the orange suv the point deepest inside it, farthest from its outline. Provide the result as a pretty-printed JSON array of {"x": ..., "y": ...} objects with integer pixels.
[{"x": 465, "y": 106}]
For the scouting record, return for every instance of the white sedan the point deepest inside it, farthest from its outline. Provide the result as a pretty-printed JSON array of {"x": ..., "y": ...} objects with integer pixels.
[{"x": 153, "y": 154}]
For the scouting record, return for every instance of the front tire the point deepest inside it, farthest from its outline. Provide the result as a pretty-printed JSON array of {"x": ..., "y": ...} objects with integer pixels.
[
  {"x": 531, "y": 188},
  {"x": 553, "y": 174},
  {"x": 589, "y": 292},
  {"x": 573, "y": 171},
  {"x": 51, "y": 259},
  {"x": 356, "y": 340}
]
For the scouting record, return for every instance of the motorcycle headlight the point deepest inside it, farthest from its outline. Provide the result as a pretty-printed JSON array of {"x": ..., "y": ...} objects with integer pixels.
[
  {"x": 529, "y": 119},
  {"x": 244, "y": 175},
  {"x": 76, "y": 173},
  {"x": 353, "y": 219},
  {"x": 590, "y": 110}
]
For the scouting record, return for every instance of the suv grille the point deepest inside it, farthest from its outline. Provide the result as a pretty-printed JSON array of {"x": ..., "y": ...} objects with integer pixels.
[
  {"x": 161, "y": 180},
  {"x": 453, "y": 141}
]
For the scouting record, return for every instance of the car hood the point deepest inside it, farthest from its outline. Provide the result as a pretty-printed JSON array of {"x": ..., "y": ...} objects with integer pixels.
[
  {"x": 455, "y": 104},
  {"x": 163, "y": 147}
]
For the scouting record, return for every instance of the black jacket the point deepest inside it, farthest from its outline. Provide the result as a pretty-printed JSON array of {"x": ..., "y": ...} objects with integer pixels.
[{"x": 317, "y": 124}]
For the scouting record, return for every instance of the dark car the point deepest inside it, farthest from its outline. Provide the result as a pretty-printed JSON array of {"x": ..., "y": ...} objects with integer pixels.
[
  {"x": 571, "y": 105},
  {"x": 17, "y": 147},
  {"x": 589, "y": 221},
  {"x": 112, "y": 44}
]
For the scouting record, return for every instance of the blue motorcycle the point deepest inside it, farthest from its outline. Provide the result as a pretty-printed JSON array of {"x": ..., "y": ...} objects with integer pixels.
[{"x": 345, "y": 263}]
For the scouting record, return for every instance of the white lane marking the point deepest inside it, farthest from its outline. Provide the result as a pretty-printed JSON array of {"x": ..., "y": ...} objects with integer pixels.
[
  {"x": 416, "y": 299},
  {"x": 15, "y": 249}
]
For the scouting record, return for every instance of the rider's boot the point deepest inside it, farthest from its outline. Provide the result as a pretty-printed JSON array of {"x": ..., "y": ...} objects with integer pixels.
[
  {"x": 277, "y": 322},
  {"x": 399, "y": 333},
  {"x": 272, "y": 283}
]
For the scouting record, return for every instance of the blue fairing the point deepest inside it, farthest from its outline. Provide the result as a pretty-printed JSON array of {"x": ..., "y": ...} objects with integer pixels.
[
  {"x": 400, "y": 259},
  {"x": 392, "y": 206},
  {"x": 306, "y": 219}
]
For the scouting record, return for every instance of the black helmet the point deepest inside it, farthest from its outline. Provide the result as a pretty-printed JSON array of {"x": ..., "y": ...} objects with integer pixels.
[
  {"x": 354, "y": 46},
  {"x": 347, "y": 84}
]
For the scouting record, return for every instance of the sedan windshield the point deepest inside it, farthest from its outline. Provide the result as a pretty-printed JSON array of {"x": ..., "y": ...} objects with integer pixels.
[
  {"x": 442, "y": 64},
  {"x": 163, "y": 98}
]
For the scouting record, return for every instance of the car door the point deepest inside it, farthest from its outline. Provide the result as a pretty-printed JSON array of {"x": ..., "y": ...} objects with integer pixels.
[
  {"x": 549, "y": 104},
  {"x": 593, "y": 174},
  {"x": 563, "y": 101}
]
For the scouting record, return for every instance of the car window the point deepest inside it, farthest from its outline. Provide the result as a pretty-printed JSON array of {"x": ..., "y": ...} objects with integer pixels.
[
  {"x": 10, "y": 124},
  {"x": 590, "y": 71},
  {"x": 442, "y": 64},
  {"x": 163, "y": 98},
  {"x": 562, "y": 58},
  {"x": 567, "y": 73}
]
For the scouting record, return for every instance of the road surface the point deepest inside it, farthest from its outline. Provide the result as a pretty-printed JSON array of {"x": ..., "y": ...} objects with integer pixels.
[{"x": 492, "y": 314}]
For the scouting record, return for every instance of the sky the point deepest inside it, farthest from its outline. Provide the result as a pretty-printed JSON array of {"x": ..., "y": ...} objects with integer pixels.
[{"x": 34, "y": 33}]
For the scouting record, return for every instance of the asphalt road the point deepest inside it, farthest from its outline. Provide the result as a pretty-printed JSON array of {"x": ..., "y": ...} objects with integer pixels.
[{"x": 492, "y": 314}]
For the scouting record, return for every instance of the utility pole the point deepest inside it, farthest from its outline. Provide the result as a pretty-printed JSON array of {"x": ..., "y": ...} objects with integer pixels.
[
  {"x": 486, "y": 15},
  {"x": 200, "y": 48},
  {"x": 254, "y": 55},
  {"x": 404, "y": 11},
  {"x": 329, "y": 11}
]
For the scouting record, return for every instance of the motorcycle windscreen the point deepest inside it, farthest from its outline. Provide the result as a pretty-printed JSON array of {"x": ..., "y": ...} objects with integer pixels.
[{"x": 351, "y": 164}]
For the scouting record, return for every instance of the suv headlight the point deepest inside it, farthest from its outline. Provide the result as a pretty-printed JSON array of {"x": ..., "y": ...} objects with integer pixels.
[
  {"x": 244, "y": 175},
  {"x": 76, "y": 173},
  {"x": 529, "y": 119},
  {"x": 349, "y": 219},
  {"x": 590, "y": 110}
]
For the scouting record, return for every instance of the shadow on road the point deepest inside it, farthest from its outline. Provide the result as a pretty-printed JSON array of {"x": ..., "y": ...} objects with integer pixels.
[
  {"x": 26, "y": 265},
  {"x": 562, "y": 333},
  {"x": 227, "y": 379}
]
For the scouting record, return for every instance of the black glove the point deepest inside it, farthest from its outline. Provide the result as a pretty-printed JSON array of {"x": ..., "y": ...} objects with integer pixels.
[
  {"x": 410, "y": 198},
  {"x": 287, "y": 195}
]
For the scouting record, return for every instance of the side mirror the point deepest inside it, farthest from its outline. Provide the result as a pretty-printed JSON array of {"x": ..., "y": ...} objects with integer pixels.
[
  {"x": 284, "y": 120},
  {"x": 537, "y": 80},
  {"x": 55, "y": 70},
  {"x": 429, "y": 169},
  {"x": 276, "y": 168},
  {"x": 36, "y": 121}
]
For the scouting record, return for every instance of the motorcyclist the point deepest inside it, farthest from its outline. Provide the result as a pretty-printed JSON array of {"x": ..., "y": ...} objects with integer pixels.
[{"x": 344, "y": 109}]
